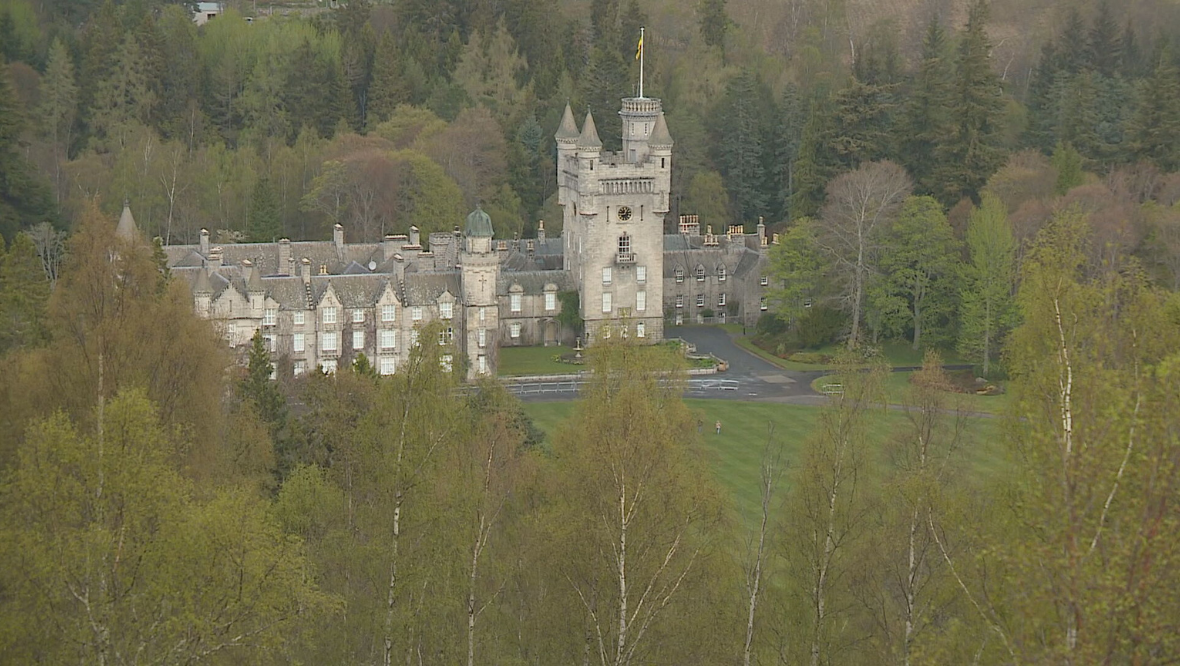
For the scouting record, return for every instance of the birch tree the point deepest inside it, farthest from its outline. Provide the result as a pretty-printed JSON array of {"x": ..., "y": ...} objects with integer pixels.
[
  {"x": 639, "y": 502},
  {"x": 828, "y": 516},
  {"x": 987, "y": 295},
  {"x": 861, "y": 205}
]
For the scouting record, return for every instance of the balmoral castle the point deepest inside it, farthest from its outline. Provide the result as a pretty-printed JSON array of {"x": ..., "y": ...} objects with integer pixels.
[{"x": 322, "y": 303}]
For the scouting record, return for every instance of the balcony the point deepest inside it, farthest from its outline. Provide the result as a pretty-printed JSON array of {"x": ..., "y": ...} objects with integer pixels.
[{"x": 625, "y": 258}]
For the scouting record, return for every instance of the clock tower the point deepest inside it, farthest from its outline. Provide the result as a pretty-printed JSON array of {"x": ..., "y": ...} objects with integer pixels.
[{"x": 613, "y": 209}]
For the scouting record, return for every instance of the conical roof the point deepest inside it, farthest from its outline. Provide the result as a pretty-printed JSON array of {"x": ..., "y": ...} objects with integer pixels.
[
  {"x": 659, "y": 133},
  {"x": 254, "y": 283},
  {"x": 568, "y": 129},
  {"x": 202, "y": 285},
  {"x": 479, "y": 224},
  {"x": 126, "y": 228},
  {"x": 589, "y": 137}
]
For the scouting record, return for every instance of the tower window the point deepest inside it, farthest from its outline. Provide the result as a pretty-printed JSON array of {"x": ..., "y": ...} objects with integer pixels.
[
  {"x": 662, "y": 166},
  {"x": 625, "y": 244}
]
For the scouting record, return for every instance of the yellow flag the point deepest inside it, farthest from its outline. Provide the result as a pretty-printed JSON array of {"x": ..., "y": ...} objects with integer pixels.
[{"x": 639, "y": 49}]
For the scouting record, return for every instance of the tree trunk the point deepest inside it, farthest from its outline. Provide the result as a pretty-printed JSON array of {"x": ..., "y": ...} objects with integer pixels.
[{"x": 917, "y": 325}]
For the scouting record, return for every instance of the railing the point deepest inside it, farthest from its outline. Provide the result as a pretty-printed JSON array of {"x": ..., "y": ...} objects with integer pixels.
[
  {"x": 576, "y": 385},
  {"x": 625, "y": 258}
]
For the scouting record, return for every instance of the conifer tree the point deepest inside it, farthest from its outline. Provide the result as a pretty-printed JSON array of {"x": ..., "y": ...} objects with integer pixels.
[
  {"x": 1042, "y": 99},
  {"x": 1154, "y": 132},
  {"x": 126, "y": 95},
  {"x": 260, "y": 389},
  {"x": 604, "y": 84},
  {"x": 971, "y": 155},
  {"x": 24, "y": 199},
  {"x": 24, "y": 292},
  {"x": 926, "y": 120},
  {"x": 787, "y": 131},
  {"x": 265, "y": 222},
  {"x": 1105, "y": 47},
  {"x": 740, "y": 128},
  {"x": 390, "y": 86},
  {"x": 714, "y": 23}
]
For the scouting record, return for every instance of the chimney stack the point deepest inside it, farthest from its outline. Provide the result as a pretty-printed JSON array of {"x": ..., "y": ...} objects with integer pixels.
[
  {"x": 338, "y": 238},
  {"x": 247, "y": 270},
  {"x": 204, "y": 242},
  {"x": 540, "y": 229},
  {"x": 284, "y": 256},
  {"x": 305, "y": 270},
  {"x": 215, "y": 259}
]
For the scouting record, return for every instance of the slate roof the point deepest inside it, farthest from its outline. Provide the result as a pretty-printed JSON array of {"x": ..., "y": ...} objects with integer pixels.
[
  {"x": 568, "y": 128},
  {"x": 533, "y": 282},
  {"x": 589, "y": 137},
  {"x": 424, "y": 287}
]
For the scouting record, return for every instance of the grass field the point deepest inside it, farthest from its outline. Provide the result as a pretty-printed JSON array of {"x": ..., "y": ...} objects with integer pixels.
[
  {"x": 517, "y": 361},
  {"x": 899, "y": 354},
  {"x": 898, "y": 382},
  {"x": 736, "y": 453}
]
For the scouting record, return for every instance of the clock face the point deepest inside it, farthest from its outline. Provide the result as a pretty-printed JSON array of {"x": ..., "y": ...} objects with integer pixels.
[{"x": 624, "y": 213}]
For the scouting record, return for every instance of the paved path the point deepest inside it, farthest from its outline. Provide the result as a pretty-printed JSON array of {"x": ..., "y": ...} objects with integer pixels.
[{"x": 758, "y": 379}]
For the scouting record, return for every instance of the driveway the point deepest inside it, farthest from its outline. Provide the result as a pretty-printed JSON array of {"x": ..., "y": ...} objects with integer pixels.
[{"x": 757, "y": 379}]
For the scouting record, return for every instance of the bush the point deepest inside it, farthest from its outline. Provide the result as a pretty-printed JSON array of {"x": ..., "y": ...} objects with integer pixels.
[
  {"x": 814, "y": 358},
  {"x": 819, "y": 326},
  {"x": 770, "y": 325}
]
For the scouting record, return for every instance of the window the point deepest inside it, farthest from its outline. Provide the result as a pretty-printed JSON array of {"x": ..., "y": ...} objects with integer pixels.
[
  {"x": 416, "y": 313},
  {"x": 481, "y": 337},
  {"x": 679, "y": 319},
  {"x": 329, "y": 366},
  {"x": 231, "y": 333},
  {"x": 640, "y": 330},
  {"x": 550, "y": 301},
  {"x": 806, "y": 302},
  {"x": 482, "y": 363},
  {"x": 679, "y": 300},
  {"x": 329, "y": 315},
  {"x": 270, "y": 342},
  {"x": 606, "y": 332},
  {"x": 447, "y": 363},
  {"x": 358, "y": 316},
  {"x": 625, "y": 244},
  {"x": 762, "y": 303},
  {"x": 299, "y": 344},
  {"x": 514, "y": 302},
  {"x": 679, "y": 275},
  {"x": 640, "y": 301},
  {"x": 388, "y": 365},
  {"x": 482, "y": 315},
  {"x": 764, "y": 281},
  {"x": 414, "y": 338},
  {"x": 514, "y": 330},
  {"x": 358, "y": 340},
  {"x": 721, "y": 300},
  {"x": 389, "y": 339},
  {"x": 700, "y": 300},
  {"x": 700, "y": 273},
  {"x": 446, "y": 310},
  {"x": 606, "y": 275},
  {"x": 446, "y": 337},
  {"x": 328, "y": 342},
  {"x": 721, "y": 273},
  {"x": 641, "y": 273},
  {"x": 606, "y": 302},
  {"x": 300, "y": 367},
  {"x": 297, "y": 318},
  {"x": 270, "y": 317},
  {"x": 388, "y": 313}
]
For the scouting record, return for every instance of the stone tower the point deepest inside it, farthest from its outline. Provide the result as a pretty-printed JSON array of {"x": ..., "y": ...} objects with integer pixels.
[
  {"x": 613, "y": 207},
  {"x": 479, "y": 269}
]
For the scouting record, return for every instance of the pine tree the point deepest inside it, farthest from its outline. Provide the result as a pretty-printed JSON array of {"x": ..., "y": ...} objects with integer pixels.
[
  {"x": 926, "y": 120},
  {"x": 812, "y": 168},
  {"x": 787, "y": 131},
  {"x": 1154, "y": 132},
  {"x": 389, "y": 87},
  {"x": 265, "y": 222},
  {"x": 1077, "y": 116},
  {"x": 739, "y": 123},
  {"x": 59, "y": 108},
  {"x": 971, "y": 154},
  {"x": 1074, "y": 45},
  {"x": 1104, "y": 47},
  {"x": 714, "y": 23},
  {"x": 260, "y": 389},
  {"x": 125, "y": 96},
  {"x": 24, "y": 198},
  {"x": 863, "y": 123},
  {"x": 1042, "y": 100},
  {"x": 1068, "y": 163},
  {"x": 604, "y": 84},
  {"x": 1130, "y": 65}
]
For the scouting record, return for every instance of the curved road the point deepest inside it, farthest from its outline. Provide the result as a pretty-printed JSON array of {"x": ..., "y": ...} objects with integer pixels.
[{"x": 757, "y": 379}]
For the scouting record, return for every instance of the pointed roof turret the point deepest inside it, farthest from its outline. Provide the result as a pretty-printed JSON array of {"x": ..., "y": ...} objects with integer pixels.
[
  {"x": 126, "y": 228},
  {"x": 589, "y": 137},
  {"x": 254, "y": 282},
  {"x": 202, "y": 284},
  {"x": 568, "y": 130},
  {"x": 659, "y": 133}
]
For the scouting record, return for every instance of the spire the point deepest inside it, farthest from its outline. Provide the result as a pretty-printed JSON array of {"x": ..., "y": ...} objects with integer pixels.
[
  {"x": 126, "y": 229},
  {"x": 659, "y": 133},
  {"x": 568, "y": 130},
  {"x": 589, "y": 137},
  {"x": 202, "y": 284},
  {"x": 254, "y": 283}
]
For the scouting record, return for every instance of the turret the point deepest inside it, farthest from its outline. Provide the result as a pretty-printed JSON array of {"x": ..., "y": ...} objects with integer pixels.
[
  {"x": 589, "y": 150},
  {"x": 567, "y": 150},
  {"x": 126, "y": 229},
  {"x": 659, "y": 143},
  {"x": 639, "y": 116},
  {"x": 478, "y": 232},
  {"x": 202, "y": 293}
]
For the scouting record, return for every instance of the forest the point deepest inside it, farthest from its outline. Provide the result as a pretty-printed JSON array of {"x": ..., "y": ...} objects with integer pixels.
[{"x": 995, "y": 180}]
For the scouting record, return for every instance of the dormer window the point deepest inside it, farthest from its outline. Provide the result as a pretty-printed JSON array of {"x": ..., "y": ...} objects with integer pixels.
[
  {"x": 721, "y": 273},
  {"x": 445, "y": 309},
  {"x": 700, "y": 273},
  {"x": 679, "y": 275}
]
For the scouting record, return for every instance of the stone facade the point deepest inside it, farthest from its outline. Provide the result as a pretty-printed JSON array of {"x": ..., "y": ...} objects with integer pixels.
[{"x": 322, "y": 303}]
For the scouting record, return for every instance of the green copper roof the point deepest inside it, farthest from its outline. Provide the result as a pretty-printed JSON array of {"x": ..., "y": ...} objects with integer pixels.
[{"x": 478, "y": 224}]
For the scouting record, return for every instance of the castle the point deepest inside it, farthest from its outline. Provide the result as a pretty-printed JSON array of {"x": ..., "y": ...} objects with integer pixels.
[{"x": 320, "y": 304}]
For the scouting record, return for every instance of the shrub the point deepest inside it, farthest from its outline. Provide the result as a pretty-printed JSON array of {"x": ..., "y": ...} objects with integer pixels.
[
  {"x": 814, "y": 358},
  {"x": 819, "y": 326},
  {"x": 770, "y": 325}
]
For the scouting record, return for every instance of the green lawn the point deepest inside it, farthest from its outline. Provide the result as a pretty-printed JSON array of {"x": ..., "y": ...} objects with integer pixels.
[
  {"x": 899, "y": 354},
  {"x": 517, "y": 361},
  {"x": 737, "y": 452},
  {"x": 898, "y": 382}
]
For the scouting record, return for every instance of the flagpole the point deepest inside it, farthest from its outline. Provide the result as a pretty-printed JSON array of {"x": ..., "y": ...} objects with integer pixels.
[{"x": 641, "y": 62}]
